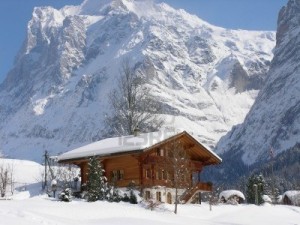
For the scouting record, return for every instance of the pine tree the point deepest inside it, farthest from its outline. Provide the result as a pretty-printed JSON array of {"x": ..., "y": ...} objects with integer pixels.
[
  {"x": 96, "y": 181},
  {"x": 269, "y": 185},
  {"x": 259, "y": 181}
]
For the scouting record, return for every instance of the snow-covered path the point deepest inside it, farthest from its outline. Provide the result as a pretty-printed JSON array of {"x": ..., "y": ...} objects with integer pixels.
[{"x": 45, "y": 211}]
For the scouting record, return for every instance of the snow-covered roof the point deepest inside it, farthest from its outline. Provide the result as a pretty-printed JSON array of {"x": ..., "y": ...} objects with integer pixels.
[
  {"x": 122, "y": 144},
  {"x": 294, "y": 196},
  {"x": 229, "y": 193},
  {"x": 118, "y": 145}
]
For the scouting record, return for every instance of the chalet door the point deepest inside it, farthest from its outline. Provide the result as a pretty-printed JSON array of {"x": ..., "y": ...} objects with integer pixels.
[
  {"x": 158, "y": 196},
  {"x": 147, "y": 195},
  {"x": 169, "y": 198}
]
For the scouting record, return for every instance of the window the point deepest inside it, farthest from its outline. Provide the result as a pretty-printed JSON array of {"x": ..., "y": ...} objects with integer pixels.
[
  {"x": 158, "y": 196},
  {"x": 161, "y": 152},
  {"x": 170, "y": 176},
  {"x": 117, "y": 175},
  {"x": 157, "y": 152},
  {"x": 120, "y": 174},
  {"x": 164, "y": 175},
  {"x": 147, "y": 195},
  {"x": 169, "y": 198},
  {"x": 167, "y": 153},
  {"x": 160, "y": 175},
  {"x": 148, "y": 173},
  {"x": 113, "y": 175},
  {"x": 157, "y": 175}
]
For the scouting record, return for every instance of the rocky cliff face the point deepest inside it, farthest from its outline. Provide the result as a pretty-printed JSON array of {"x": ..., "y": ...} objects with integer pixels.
[
  {"x": 274, "y": 119},
  {"x": 55, "y": 96}
]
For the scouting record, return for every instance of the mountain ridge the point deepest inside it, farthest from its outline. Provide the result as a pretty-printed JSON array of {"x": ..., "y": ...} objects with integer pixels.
[
  {"x": 272, "y": 121},
  {"x": 55, "y": 97}
]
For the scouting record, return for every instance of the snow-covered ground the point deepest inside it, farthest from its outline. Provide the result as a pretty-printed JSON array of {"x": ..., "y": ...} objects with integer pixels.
[
  {"x": 30, "y": 208},
  {"x": 43, "y": 210}
]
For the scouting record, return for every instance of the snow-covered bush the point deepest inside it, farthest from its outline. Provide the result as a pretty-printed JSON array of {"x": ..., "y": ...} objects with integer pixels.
[
  {"x": 132, "y": 198},
  {"x": 125, "y": 198},
  {"x": 66, "y": 195},
  {"x": 267, "y": 199},
  {"x": 113, "y": 195},
  {"x": 151, "y": 204},
  {"x": 132, "y": 195}
]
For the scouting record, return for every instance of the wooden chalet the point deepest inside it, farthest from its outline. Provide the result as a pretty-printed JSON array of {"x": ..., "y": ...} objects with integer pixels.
[{"x": 142, "y": 159}]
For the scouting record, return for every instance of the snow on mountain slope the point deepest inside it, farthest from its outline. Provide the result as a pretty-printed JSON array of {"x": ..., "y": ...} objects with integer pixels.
[
  {"x": 23, "y": 171},
  {"x": 55, "y": 96},
  {"x": 274, "y": 120}
]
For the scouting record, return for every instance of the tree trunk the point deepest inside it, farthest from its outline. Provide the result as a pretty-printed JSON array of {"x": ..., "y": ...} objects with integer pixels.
[{"x": 176, "y": 200}]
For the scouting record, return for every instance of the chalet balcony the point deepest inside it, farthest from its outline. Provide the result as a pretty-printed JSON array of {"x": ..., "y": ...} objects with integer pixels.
[
  {"x": 160, "y": 161},
  {"x": 154, "y": 182}
]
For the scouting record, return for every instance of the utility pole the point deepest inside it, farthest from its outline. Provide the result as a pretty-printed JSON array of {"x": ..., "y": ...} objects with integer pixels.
[
  {"x": 272, "y": 171},
  {"x": 45, "y": 164},
  {"x": 256, "y": 194}
]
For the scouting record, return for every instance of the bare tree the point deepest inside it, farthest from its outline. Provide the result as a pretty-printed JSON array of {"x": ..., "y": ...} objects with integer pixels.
[
  {"x": 6, "y": 178},
  {"x": 177, "y": 167},
  {"x": 132, "y": 105},
  {"x": 66, "y": 175},
  {"x": 12, "y": 179}
]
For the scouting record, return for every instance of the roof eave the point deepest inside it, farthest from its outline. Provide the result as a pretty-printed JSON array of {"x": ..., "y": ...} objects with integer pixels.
[{"x": 70, "y": 160}]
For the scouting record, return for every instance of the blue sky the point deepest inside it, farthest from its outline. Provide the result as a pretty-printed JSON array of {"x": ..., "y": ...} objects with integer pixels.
[{"x": 236, "y": 14}]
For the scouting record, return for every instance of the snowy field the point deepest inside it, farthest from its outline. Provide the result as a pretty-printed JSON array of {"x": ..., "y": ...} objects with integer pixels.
[
  {"x": 46, "y": 211},
  {"x": 29, "y": 208}
]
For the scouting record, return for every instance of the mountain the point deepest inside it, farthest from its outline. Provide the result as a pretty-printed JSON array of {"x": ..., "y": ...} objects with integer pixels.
[
  {"x": 274, "y": 120},
  {"x": 55, "y": 96}
]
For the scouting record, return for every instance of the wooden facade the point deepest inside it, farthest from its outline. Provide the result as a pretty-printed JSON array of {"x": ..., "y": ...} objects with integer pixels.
[{"x": 147, "y": 167}]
